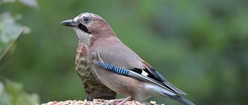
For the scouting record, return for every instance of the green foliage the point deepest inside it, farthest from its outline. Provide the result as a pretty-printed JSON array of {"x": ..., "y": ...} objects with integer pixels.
[
  {"x": 12, "y": 94},
  {"x": 9, "y": 35},
  {"x": 30, "y": 3}
]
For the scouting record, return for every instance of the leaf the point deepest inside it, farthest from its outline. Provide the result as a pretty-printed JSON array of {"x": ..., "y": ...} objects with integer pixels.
[
  {"x": 19, "y": 97},
  {"x": 10, "y": 31},
  {"x": 31, "y": 3},
  {"x": 8, "y": 1},
  {"x": 5, "y": 98}
]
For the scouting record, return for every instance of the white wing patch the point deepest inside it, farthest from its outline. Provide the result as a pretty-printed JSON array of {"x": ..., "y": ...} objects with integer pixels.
[{"x": 144, "y": 73}]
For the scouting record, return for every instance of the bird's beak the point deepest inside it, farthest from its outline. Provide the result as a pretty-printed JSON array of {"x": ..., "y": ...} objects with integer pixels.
[{"x": 70, "y": 23}]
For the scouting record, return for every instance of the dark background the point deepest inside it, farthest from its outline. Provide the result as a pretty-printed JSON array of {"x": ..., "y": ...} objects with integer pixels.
[{"x": 200, "y": 46}]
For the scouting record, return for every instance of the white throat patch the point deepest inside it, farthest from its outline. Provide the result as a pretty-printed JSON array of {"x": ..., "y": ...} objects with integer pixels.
[{"x": 83, "y": 36}]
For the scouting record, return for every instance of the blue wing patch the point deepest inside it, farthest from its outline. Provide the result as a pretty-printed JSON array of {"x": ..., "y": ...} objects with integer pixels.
[{"x": 115, "y": 69}]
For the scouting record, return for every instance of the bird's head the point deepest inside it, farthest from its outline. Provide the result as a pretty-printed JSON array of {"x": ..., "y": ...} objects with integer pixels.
[{"x": 89, "y": 26}]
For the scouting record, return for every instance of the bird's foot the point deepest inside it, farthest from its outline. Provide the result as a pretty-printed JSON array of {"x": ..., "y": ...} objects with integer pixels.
[{"x": 120, "y": 101}]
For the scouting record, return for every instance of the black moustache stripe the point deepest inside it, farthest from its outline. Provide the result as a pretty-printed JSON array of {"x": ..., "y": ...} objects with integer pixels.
[{"x": 83, "y": 28}]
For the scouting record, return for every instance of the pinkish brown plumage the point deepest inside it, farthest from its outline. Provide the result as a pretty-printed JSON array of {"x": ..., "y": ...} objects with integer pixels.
[
  {"x": 94, "y": 89},
  {"x": 116, "y": 65}
]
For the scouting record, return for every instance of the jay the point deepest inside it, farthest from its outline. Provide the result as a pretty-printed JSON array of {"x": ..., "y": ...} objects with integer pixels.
[{"x": 117, "y": 66}]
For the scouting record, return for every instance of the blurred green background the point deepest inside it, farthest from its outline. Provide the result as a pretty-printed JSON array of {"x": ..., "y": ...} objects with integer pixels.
[{"x": 201, "y": 46}]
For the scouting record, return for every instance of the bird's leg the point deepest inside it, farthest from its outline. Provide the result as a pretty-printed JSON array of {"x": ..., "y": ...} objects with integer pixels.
[
  {"x": 120, "y": 101},
  {"x": 125, "y": 100}
]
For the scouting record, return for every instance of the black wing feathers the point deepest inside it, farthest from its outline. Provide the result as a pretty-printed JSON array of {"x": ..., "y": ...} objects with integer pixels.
[
  {"x": 149, "y": 74},
  {"x": 166, "y": 83}
]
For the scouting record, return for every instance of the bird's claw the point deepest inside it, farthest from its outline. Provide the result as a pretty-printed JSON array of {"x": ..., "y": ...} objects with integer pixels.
[{"x": 119, "y": 101}]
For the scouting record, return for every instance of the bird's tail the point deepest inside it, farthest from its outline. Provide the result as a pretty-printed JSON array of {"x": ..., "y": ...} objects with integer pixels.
[{"x": 182, "y": 100}]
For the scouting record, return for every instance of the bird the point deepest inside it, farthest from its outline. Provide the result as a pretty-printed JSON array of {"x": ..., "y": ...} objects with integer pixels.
[
  {"x": 93, "y": 87},
  {"x": 117, "y": 66}
]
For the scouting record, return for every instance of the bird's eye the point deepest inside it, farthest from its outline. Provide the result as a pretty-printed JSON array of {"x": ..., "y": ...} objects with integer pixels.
[{"x": 86, "y": 19}]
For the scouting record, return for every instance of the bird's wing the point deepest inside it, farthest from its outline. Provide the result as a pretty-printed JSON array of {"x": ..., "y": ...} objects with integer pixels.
[
  {"x": 141, "y": 77},
  {"x": 120, "y": 56},
  {"x": 157, "y": 76}
]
